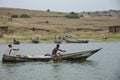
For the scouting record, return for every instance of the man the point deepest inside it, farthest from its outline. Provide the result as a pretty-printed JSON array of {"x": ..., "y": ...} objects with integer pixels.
[
  {"x": 55, "y": 54},
  {"x": 9, "y": 50}
]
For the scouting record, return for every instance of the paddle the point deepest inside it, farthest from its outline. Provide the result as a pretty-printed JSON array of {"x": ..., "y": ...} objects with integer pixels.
[{"x": 15, "y": 50}]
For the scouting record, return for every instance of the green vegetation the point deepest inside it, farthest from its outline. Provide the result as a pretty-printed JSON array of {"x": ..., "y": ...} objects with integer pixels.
[
  {"x": 114, "y": 37},
  {"x": 21, "y": 16},
  {"x": 25, "y": 16},
  {"x": 72, "y": 15},
  {"x": 50, "y": 38},
  {"x": 21, "y": 38},
  {"x": 47, "y": 37},
  {"x": 14, "y": 16}
]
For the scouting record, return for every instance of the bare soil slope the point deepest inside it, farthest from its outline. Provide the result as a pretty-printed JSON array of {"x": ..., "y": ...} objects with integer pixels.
[{"x": 54, "y": 23}]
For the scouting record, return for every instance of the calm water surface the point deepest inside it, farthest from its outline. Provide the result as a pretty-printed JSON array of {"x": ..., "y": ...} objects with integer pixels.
[{"x": 104, "y": 65}]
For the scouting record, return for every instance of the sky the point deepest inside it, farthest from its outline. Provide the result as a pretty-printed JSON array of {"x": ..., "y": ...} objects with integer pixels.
[{"x": 63, "y": 5}]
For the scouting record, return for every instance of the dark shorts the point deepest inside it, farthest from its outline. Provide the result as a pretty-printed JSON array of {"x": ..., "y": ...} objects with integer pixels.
[{"x": 57, "y": 55}]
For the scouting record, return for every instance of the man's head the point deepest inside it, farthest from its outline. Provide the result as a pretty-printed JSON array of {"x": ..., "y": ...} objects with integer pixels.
[
  {"x": 57, "y": 45},
  {"x": 9, "y": 45}
]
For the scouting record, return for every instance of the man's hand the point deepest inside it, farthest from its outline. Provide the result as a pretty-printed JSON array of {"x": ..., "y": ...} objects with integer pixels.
[{"x": 63, "y": 50}]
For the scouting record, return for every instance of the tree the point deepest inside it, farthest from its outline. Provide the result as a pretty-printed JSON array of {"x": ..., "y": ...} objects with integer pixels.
[{"x": 48, "y": 10}]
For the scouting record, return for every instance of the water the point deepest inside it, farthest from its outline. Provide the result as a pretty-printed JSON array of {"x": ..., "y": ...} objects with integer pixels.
[{"x": 104, "y": 65}]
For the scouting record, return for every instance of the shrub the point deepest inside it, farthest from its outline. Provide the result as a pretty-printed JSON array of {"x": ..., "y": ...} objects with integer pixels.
[
  {"x": 46, "y": 22},
  {"x": 14, "y": 16},
  {"x": 72, "y": 15},
  {"x": 9, "y": 13},
  {"x": 25, "y": 16},
  {"x": 81, "y": 15},
  {"x": 48, "y": 10},
  {"x": 1, "y": 17}
]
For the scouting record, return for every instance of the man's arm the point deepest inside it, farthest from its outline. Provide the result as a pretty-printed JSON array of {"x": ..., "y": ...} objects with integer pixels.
[{"x": 61, "y": 50}]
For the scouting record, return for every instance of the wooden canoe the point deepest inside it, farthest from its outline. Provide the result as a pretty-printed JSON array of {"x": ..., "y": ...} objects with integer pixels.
[
  {"x": 58, "y": 41},
  {"x": 35, "y": 39},
  {"x": 69, "y": 57},
  {"x": 76, "y": 41},
  {"x": 15, "y": 41}
]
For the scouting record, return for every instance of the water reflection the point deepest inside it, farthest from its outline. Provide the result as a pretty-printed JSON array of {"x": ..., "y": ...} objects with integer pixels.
[
  {"x": 11, "y": 65},
  {"x": 10, "y": 68},
  {"x": 56, "y": 71},
  {"x": 62, "y": 69},
  {"x": 82, "y": 62}
]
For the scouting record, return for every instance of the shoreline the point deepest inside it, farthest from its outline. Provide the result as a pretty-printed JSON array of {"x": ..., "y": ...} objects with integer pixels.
[
  {"x": 51, "y": 38},
  {"x": 41, "y": 41}
]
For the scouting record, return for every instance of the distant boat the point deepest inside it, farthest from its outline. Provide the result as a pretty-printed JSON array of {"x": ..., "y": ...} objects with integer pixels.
[
  {"x": 35, "y": 39},
  {"x": 57, "y": 41},
  {"x": 67, "y": 57},
  {"x": 76, "y": 41},
  {"x": 15, "y": 41}
]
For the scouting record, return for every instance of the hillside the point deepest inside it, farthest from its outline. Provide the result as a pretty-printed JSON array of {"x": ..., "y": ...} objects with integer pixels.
[{"x": 44, "y": 23}]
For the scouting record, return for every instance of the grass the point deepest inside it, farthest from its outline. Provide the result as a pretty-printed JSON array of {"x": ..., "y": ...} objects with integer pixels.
[
  {"x": 50, "y": 38},
  {"x": 10, "y": 38},
  {"x": 114, "y": 37},
  {"x": 47, "y": 37},
  {"x": 98, "y": 37}
]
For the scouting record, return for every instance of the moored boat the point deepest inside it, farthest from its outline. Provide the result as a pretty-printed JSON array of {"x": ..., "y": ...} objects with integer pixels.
[
  {"x": 35, "y": 39},
  {"x": 58, "y": 41},
  {"x": 15, "y": 41},
  {"x": 69, "y": 57},
  {"x": 76, "y": 41}
]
